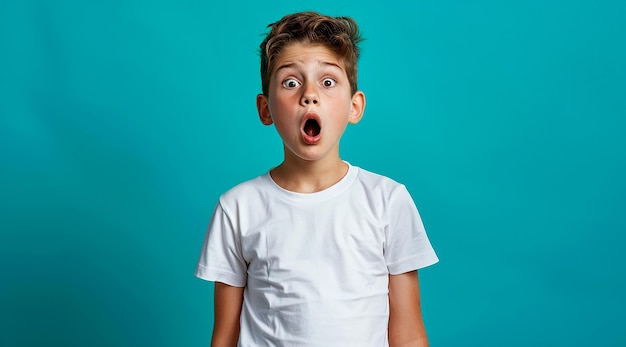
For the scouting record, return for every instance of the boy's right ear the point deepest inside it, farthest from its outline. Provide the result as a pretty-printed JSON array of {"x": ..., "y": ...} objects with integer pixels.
[{"x": 264, "y": 110}]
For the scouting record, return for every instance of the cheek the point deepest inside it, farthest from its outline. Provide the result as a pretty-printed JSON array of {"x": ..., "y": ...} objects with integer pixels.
[
  {"x": 280, "y": 112},
  {"x": 282, "y": 101}
]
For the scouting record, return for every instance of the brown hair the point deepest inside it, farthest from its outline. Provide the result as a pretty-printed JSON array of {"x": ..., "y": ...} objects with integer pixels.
[{"x": 339, "y": 34}]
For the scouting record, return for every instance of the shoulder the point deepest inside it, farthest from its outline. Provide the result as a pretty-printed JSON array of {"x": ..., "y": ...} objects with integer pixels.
[
  {"x": 245, "y": 192},
  {"x": 379, "y": 184}
]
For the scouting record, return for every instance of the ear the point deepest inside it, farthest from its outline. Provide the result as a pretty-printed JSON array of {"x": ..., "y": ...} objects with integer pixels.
[
  {"x": 357, "y": 108},
  {"x": 263, "y": 109}
]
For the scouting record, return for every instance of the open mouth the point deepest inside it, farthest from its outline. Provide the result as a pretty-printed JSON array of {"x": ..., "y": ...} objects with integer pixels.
[{"x": 311, "y": 127}]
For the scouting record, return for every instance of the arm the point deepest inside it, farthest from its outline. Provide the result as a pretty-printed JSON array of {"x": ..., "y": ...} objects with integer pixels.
[
  {"x": 406, "y": 327},
  {"x": 227, "y": 307}
]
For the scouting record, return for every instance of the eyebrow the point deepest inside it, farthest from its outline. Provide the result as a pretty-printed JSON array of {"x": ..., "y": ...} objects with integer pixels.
[{"x": 292, "y": 64}]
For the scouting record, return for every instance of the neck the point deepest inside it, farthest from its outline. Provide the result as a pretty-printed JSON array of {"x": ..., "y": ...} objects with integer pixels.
[{"x": 302, "y": 176}]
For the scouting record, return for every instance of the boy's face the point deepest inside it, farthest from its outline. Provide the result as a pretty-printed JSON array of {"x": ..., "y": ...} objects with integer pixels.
[{"x": 309, "y": 101}]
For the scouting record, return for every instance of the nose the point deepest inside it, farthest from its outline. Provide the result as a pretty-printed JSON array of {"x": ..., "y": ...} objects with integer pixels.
[{"x": 309, "y": 96}]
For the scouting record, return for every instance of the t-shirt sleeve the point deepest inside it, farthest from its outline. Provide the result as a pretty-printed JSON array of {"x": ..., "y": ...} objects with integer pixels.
[
  {"x": 221, "y": 259},
  {"x": 407, "y": 246}
]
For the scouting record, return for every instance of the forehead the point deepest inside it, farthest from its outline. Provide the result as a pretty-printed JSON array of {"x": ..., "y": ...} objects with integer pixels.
[{"x": 302, "y": 54}]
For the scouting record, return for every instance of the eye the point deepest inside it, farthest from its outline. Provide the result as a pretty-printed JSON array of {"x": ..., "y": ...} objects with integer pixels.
[
  {"x": 290, "y": 83},
  {"x": 328, "y": 82}
]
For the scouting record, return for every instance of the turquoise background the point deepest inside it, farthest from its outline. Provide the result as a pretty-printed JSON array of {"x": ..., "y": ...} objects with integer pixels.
[{"x": 121, "y": 122}]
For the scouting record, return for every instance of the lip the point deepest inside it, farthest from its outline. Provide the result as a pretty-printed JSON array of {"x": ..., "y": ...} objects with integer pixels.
[{"x": 310, "y": 139}]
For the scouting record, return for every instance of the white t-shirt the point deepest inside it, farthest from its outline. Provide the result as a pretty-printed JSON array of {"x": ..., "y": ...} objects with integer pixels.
[{"x": 315, "y": 266}]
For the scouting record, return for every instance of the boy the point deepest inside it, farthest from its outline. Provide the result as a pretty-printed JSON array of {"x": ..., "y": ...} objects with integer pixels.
[{"x": 316, "y": 252}]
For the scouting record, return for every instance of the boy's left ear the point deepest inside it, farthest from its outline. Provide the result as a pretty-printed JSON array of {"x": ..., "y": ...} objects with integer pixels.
[{"x": 358, "y": 107}]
